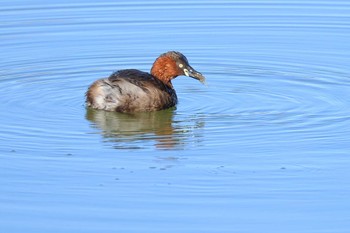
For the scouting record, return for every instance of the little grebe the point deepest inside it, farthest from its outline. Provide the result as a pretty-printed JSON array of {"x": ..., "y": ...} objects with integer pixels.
[{"x": 132, "y": 90}]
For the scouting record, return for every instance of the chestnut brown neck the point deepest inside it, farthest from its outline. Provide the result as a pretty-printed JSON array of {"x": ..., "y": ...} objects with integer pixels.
[{"x": 165, "y": 69}]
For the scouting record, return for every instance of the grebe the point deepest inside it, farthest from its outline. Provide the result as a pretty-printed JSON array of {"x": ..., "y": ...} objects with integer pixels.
[{"x": 133, "y": 90}]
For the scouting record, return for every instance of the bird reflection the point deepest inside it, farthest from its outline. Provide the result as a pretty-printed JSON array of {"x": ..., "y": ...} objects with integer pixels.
[{"x": 137, "y": 130}]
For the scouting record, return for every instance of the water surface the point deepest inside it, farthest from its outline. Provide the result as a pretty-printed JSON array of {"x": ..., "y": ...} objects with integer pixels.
[{"x": 263, "y": 147}]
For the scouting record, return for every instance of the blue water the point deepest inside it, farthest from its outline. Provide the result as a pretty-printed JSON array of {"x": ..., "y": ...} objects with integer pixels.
[{"x": 263, "y": 147}]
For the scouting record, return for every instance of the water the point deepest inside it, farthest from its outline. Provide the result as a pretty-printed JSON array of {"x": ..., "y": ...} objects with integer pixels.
[{"x": 264, "y": 147}]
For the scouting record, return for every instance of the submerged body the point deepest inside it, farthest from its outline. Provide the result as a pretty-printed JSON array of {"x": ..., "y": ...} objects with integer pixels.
[{"x": 137, "y": 91}]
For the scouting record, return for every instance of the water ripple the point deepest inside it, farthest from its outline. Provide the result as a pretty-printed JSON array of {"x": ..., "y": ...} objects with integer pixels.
[
  {"x": 270, "y": 100},
  {"x": 266, "y": 77}
]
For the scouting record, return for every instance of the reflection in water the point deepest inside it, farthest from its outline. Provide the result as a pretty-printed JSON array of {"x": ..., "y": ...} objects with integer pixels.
[{"x": 128, "y": 130}]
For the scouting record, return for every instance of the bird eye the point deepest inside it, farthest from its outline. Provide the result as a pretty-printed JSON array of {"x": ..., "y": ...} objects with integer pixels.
[{"x": 180, "y": 65}]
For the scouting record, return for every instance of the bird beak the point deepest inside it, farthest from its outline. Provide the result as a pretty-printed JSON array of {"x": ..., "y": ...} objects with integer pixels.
[{"x": 190, "y": 72}]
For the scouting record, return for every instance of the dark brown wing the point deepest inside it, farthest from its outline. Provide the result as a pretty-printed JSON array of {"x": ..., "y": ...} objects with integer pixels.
[
  {"x": 136, "y": 90},
  {"x": 139, "y": 78}
]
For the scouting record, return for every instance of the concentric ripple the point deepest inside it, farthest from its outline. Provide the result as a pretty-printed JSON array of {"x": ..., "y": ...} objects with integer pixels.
[
  {"x": 273, "y": 76},
  {"x": 247, "y": 104},
  {"x": 266, "y": 140}
]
